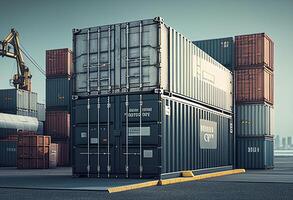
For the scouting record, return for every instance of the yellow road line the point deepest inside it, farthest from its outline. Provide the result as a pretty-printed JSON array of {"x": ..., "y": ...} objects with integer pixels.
[
  {"x": 132, "y": 186},
  {"x": 200, "y": 177},
  {"x": 186, "y": 176}
]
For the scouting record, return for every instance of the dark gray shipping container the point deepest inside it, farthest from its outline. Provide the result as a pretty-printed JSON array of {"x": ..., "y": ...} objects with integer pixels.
[
  {"x": 147, "y": 135},
  {"x": 8, "y": 153},
  {"x": 221, "y": 49},
  {"x": 16, "y": 99},
  {"x": 58, "y": 93},
  {"x": 41, "y": 112},
  {"x": 255, "y": 152}
]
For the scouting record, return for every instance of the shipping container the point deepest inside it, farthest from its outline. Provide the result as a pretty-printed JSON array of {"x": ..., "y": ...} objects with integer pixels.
[
  {"x": 8, "y": 153},
  {"x": 12, "y": 99},
  {"x": 254, "y": 85},
  {"x": 58, "y": 62},
  {"x": 58, "y": 124},
  {"x": 41, "y": 112},
  {"x": 13, "y": 136},
  {"x": 23, "y": 112},
  {"x": 33, "y": 152},
  {"x": 64, "y": 149},
  {"x": 147, "y": 55},
  {"x": 255, "y": 152},
  {"x": 148, "y": 135},
  {"x": 221, "y": 49},
  {"x": 254, "y": 50},
  {"x": 33, "y": 140},
  {"x": 254, "y": 120},
  {"x": 58, "y": 93}
]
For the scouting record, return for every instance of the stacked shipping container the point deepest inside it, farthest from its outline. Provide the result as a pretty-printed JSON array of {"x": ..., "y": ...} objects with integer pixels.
[
  {"x": 58, "y": 98},
  {"x": 254, "y": 81},
  {"x": 147, "y": 102}
]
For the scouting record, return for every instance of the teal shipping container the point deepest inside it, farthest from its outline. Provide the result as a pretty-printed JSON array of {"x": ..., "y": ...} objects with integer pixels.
[
  {"x": 255, "y": 152},
  {"x": 8, "y": 153},
  {"x": 221, "y": 49}
]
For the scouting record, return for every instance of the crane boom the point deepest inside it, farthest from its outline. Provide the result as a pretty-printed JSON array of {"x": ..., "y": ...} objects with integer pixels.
[{"x": 22, "y": 79}]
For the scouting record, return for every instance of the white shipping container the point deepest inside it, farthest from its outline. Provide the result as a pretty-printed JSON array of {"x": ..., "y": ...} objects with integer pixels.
[
  {"x": 254, "y": 120},
  {"x": 143, "y": 56}
]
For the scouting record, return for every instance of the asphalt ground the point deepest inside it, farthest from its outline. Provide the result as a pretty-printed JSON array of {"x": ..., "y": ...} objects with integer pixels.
[{"x": 255, "y": 184}]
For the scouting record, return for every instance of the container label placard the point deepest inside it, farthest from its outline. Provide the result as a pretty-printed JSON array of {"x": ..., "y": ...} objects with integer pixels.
[
  {"x": 208, "y": 134},
  {"x": 134, "y": 131},
  {"x": 135, "y": 113},
  {"x": 94, "y": 140},
  {"x": 147, "y": 153}
]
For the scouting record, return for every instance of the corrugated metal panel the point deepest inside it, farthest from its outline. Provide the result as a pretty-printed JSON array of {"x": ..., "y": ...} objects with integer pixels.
[
  {"x": 58, "y": 93},
  {"x": 18, "y": 122},
  {"x": 254, "y": 50},
  {"x": 143, "y": 56},
  {"x": 64, "y": 150},
  {"x": 222, "y": 50},
  {"x": 53, "y": 155},
  {"x": 8, "y": 153},
  {"x": 40, "y": 130},
  {"x": 22, "y": 112},
  {"x": 171, "y": 137},
  {"x": 194, "y": 137},
  {"x": 12, "y": 99},
  {"x": 254, "y": 120},
  {"x": 255, "y": 152},
  {"x": 58, "y": 62},
  {"x": 254, "y": 85},
  {"x": 41, "y": 112},
  {"x": 58, "y": 124}
]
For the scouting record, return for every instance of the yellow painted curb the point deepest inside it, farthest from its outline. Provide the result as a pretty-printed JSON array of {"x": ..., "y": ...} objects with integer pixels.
[
  {"x": 187, "y": 174},
  {"x": 132, "y": 186},
  {"x": 200, "y": 177}
]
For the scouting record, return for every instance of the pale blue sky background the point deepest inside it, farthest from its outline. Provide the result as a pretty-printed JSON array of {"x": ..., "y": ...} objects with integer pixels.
[{"x": 47, "y": 24}]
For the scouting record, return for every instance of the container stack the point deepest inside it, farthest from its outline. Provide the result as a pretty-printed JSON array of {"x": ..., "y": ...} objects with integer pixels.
[
  {"x": 36, "y": 152},
  {"x": 147, "y": 102},
  {"x": 58, "y": 98},
  {"x": 254, "y": 80},
  {"x": 15, "y": 104}
]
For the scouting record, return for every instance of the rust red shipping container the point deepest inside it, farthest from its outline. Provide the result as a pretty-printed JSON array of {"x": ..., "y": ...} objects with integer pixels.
[
  {"x": 254, "y": 50},
  {"x": 58, "y": 62},
  {"x": 254, "y": 85},
  {"x": 36, "y": 152},
  {"x": 58, "y": 124}
]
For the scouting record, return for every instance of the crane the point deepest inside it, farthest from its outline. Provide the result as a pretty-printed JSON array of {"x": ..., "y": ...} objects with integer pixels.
[{"x": 22, "y": 79}]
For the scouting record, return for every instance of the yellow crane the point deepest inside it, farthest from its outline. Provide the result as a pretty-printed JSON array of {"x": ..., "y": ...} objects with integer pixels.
[{"x": 22, "y": 79}]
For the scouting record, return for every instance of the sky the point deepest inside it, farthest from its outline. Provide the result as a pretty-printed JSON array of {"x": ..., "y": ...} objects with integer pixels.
[{"x": 44, "y": 24}]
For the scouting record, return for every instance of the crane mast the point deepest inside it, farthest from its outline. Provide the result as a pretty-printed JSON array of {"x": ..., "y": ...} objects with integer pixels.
[{"x": 22, "y": 79}]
